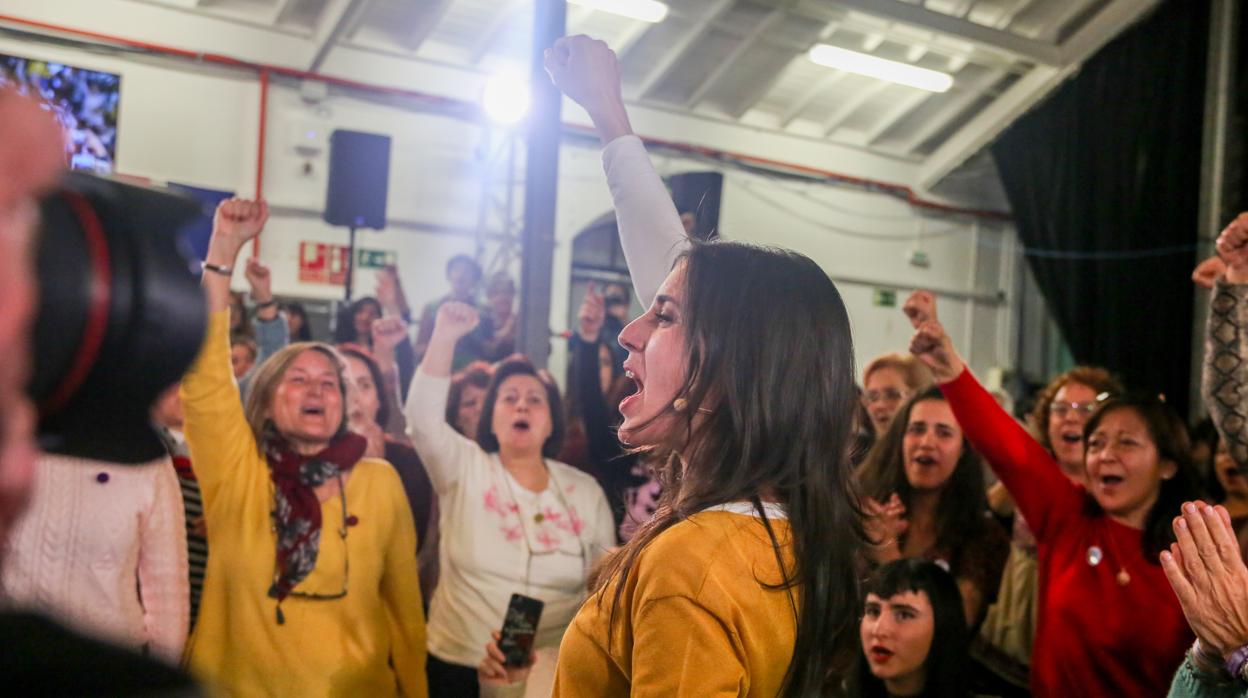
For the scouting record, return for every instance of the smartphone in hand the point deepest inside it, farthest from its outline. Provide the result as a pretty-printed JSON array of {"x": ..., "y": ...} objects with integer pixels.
[{"x": 519, "y": 629}]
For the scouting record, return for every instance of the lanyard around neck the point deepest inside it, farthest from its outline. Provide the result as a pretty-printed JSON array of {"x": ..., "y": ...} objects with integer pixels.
[{"x": 552, "y": 483}]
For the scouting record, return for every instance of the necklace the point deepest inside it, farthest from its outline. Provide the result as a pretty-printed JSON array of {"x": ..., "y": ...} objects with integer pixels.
[
  {"x": 539, "y": 517},
  {"x": 1096, "y": 556}
]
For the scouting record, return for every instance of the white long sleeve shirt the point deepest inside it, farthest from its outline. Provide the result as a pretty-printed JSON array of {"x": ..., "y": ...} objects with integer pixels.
[
  {"x": 499, "y": 538},
  {"x": 102, "y": 547},
  {"x": 650, "y": 229}
]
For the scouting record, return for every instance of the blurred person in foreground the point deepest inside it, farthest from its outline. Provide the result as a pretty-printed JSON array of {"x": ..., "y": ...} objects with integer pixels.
[{"x": 40, "y": 656}]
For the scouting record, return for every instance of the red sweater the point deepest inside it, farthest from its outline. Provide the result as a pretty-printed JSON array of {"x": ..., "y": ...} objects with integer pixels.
[{"x": 1095, "y": 636}]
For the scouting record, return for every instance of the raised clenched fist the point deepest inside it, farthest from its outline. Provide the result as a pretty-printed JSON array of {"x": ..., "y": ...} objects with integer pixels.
[
  {"x": 1233, "y": 249},
  {"x": 260, "y": 279},
  {"x": 455, "y": 320},
  {"x": 592, "y": 315},
  {"x": 920, "y": 307},
  {"x": 932, "y": 346},
  {"x": 1208, "y": 271},
  {"x": 240, "y": 220},
  {"x": 586, "y": 70},
  {"x": 388, "y": 333}
]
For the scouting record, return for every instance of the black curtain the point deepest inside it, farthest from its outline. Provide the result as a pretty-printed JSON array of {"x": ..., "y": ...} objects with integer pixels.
[{"x": 1104, "y": 179}]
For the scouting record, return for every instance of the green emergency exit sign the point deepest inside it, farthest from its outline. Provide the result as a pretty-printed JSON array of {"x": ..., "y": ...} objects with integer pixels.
[
  {"x": 374, "y": 259},
  {"x": 886, "y": 297}
]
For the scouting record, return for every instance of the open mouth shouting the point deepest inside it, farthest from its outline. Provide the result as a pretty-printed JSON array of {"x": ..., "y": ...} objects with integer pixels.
[
  {"x": 1109, "y": 481},
  {"x": 879, "y": 654},
  {"x": 638, "y": 386},
  {"x": 521, "y": 425}
]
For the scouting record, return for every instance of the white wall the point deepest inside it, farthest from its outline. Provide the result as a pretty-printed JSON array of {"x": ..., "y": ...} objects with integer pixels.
[
  {"x": 971, "y": 262},
  {"x": 199, "y": 126}
]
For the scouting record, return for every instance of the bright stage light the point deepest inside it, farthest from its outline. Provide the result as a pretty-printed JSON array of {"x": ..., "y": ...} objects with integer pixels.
[{"x": 506, "y": 97}]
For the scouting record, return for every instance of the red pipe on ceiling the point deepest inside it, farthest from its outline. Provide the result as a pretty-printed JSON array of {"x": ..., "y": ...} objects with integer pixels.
[{"x": 263, "y": 131}]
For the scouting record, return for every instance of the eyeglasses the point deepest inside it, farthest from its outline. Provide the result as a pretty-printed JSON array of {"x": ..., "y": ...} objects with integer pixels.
[
  {"x": 1080, "y": 409},
  {"x": 887, "y": 394}
]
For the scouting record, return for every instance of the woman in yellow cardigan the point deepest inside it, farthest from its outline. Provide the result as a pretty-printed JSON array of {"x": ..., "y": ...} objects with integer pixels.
[
  {"x": 743, "y": 583},
  {"x": 311, "y": 588}
]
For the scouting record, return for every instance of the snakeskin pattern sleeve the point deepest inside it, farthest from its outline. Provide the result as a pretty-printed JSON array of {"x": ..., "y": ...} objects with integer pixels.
[{"x": 1224, "y": 374}]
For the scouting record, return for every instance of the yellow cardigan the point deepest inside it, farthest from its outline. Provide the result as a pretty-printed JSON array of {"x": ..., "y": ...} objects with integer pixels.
[
  {"x": 694, "y": 619},
  {"x": 370, "y": 642}
]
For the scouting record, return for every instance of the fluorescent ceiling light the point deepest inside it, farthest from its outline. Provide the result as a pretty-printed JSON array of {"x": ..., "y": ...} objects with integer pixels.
[
  {"x": 644, "y": 10},
  {"x": 879, "y": 68}
]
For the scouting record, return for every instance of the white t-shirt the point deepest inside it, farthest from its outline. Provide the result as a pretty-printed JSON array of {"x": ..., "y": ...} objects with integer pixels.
[{"x": 499, "y": 538}]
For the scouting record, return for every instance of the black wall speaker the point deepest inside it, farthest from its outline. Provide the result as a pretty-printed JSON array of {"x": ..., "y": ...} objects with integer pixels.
[
  {"x": 359, "y": 178},
  {"x": 699, "y": 193}
]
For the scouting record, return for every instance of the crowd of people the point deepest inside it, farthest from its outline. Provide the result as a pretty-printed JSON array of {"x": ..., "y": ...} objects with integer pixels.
[
  {"x": 720, "y": 507},
  {"x": 86, "y": 103}
]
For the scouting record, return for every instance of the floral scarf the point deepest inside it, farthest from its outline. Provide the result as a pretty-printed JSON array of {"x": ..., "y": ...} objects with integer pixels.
[{"x": 296, "y": 509}]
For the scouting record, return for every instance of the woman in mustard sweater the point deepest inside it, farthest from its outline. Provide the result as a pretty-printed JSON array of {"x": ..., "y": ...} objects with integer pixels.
[
  {"x": 743, "y": 582},
  {"x": 311, "y": 588}
]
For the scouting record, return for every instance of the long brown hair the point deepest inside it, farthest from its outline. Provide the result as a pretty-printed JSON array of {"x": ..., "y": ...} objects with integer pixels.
[
  {"x": 960, "y": 511},
  {"x": 769, "y": 355}
]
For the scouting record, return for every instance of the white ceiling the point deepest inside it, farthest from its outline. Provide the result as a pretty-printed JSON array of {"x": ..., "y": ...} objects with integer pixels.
[{"x": 745, "y": 60}]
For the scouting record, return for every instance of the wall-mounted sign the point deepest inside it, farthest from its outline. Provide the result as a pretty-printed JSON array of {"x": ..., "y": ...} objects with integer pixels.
[{"x": 322, "y": 263}]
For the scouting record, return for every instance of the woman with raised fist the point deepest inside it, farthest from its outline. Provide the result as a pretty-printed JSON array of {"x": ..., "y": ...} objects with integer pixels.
[
  {"x": 513, "y": 520},
  {"x": 1109, "y": 624},
  {"x": 743, "y": 582},
  {"x": 294, "y": 510}
]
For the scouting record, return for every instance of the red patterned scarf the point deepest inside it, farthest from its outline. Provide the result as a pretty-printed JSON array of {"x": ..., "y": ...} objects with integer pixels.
[{"x": 296, "y": 509}]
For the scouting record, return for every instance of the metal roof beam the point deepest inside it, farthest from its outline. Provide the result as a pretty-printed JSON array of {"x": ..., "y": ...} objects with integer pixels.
[
  {"x": 1038, "y": 52},
  {"x": 333, "y": 26},
  {"x": 725, "y": 66},
  {"x": 1031, "y": 89},
  {"x": 426, "y": 23},
  {"x": 674, "y": 54}
]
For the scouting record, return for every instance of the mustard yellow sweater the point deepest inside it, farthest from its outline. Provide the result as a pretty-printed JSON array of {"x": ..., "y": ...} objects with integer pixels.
[
  {"x": 694, "y": 618},
  {"x": 370, "y": 642}
]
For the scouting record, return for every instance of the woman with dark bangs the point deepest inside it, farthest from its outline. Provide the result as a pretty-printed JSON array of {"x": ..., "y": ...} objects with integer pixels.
[
  {"x": 914, "y": 634},
  {"x": 1109, "y": 623},
  {"x": 744, "y": 581},
  {"x": 932, "y": 484}
]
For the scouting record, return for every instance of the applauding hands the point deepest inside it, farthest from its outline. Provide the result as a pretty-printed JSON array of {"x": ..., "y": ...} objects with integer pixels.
[
  {"x": 885, "y": 525},
  {"x": 1208, "y": 575}
]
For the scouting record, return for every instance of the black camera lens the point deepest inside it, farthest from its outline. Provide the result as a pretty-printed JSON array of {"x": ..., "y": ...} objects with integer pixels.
[{"x": 121, "y": 316}]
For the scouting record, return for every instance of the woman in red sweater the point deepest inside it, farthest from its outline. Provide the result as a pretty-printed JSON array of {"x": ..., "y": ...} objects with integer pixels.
[{"x": 1109, "y": 623}]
